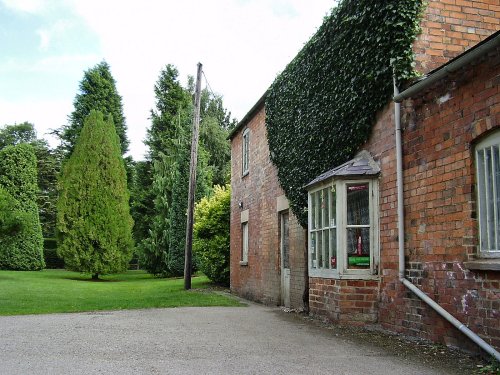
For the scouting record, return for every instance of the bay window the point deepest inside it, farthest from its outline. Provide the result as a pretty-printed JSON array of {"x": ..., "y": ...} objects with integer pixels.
[{"x": 343, "y": 229}]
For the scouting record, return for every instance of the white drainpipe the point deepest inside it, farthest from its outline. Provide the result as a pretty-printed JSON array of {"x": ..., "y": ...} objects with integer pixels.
[{"x": 401, "y": 241}]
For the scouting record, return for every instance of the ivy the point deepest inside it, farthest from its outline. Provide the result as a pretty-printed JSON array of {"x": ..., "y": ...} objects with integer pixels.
[{"x": 321, "y": 108}]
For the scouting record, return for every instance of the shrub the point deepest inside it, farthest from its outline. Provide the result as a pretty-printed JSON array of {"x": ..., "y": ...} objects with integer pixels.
[
  {"x": 11, "y": 221},
  {"x": 21, "y": 243},
  {"x": 211, "y": 235}
]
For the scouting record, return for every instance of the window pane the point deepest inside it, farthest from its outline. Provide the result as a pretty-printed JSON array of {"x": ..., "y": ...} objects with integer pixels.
[
  {"x": 325, "y": 208},
  {"x": 319, "y": 249},
  {"x": 358, "y": 201},
  {"x": 313, "y": 211},
  {"x": 326, "y": 245},
  {"x": 333, "y": 208},
  {"x": 496, "y": 172},
  {"x": 333, "y": 248},
  {"x": 317, "y": 217},
  {"x": 313, "y": 249},
  {"x": 482, "y": 199},
  {"x": 490, "y": 199},
  {"x": 358, "y": 248},
  {"x": 245, "y": 151}
]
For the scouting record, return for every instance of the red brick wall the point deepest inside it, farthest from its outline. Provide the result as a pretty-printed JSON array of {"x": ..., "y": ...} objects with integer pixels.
[
  {"x": 353, "y": 302},
  {"x": 449, "y": 27},
  {"x": 440, "y": 224},
  {"x": 439, "y": 199},
  {"x": 440, "y": 218},
  {"x": 357, "y": 301},
  {"x": 260, "y": 280},
  {"x": 440, "y": 213}
]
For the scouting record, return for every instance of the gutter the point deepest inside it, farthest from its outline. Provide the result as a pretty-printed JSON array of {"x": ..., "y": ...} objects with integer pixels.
[
  {"x": 401, "y": 233},
  {"x": 452, "y": 66}
]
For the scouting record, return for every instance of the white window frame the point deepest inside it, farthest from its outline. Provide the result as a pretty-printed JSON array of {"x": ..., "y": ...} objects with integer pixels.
[
  {"x": 245, "y": 159},
  {"x": 342, "y": 271},
  {"x": 488, "y": 215}
]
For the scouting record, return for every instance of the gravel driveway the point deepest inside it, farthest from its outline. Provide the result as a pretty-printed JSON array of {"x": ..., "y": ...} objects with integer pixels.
[{"x": 240, "y": 340}]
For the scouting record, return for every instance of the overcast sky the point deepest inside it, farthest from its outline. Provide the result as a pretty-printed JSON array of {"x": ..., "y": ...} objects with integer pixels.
[{"x": 45, "y": 46}]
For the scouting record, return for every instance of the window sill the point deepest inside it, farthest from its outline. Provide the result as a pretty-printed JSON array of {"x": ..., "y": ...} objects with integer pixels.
[
  {"x": 245, "y": 174},
  {"x": 483, "y": 264},
  {"x": 243, "y": 263},
  {"x": 324, "y": 274}
]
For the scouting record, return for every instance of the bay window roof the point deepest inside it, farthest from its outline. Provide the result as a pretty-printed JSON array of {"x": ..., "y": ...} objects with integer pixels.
[{"x": 362, "y": 165}]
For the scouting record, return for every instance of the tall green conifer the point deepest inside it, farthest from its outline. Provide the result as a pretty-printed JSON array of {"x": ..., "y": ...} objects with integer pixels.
[
  {"x": 97, "y": 92},
  {"x": 21, "y": 244},
  {"x": 169, "y": 139},
  {"x": 93, "y": 220}
]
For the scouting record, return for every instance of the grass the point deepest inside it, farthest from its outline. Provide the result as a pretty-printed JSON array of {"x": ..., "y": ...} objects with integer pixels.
[{"x": 58, "y": 291}]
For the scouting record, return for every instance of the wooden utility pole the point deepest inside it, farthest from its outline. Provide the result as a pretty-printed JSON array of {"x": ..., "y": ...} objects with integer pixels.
[{"x": 192, "y": 183}]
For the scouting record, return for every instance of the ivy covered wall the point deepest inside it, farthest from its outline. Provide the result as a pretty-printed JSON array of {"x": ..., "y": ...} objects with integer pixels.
[{"x": 321, "y": 108}]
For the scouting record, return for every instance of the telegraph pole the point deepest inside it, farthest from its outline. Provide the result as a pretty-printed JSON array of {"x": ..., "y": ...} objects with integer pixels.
[{"x": 192, "y": 183}]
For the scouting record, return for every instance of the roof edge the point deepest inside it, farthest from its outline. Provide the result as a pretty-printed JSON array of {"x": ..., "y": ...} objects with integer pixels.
[
  {"x": 349, "y": 170},
  {"x": 248, "y": 116}
]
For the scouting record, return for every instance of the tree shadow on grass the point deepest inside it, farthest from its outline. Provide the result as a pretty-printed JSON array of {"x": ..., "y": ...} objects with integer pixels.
[{"x": 91, "y": 280}]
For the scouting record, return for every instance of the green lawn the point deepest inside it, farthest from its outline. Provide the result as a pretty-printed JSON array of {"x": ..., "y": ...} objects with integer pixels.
[{"x": 51, "y": 291}]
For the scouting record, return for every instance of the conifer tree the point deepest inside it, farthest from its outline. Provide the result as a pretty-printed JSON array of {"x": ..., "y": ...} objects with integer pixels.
[
  {"x": 48, "y": 167},
  {"x": 97, "y": 92},
  {"x": 21, "y": 243},
  {"x": 162, "y": 252},
  {"x": 93, "y": 219}
]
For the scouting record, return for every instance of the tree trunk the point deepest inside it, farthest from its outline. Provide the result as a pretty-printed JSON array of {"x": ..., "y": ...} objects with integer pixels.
[{"x": 95, "y": 276}]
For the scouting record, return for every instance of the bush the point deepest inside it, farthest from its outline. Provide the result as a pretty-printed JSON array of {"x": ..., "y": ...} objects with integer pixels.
[
  {"x": 21, "y": 241},
  {"x": 11, "y": 221},
  {"x": 211, "y": 235}
]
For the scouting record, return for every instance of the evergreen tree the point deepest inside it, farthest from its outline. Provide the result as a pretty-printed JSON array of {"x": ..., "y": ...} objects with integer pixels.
[
  {"x": 97, "y": 92},
  {"x": 141, "y": 199},
  {"x": 163, "y": 185},
  {"x": 11, "y": 220},
  {"x": 169, "y": 140},
  {"x": 21, "y": 245},
  {"x": 213, "y": 139},
  {"x": 93, "y": 220},
  {"x": 48, "y": 167}
]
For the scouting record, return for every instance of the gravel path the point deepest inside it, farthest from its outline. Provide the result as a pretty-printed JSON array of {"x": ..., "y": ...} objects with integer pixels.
[{"x": 240, "y": 340}]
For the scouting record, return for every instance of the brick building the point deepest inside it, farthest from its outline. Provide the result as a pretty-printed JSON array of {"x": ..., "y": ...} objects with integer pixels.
[
  {"x": 263, "y": 229},
  {"x": 450, "y": 166}
]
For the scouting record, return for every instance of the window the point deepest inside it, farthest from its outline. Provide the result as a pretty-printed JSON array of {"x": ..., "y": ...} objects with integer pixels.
[
  {"x": 244, "y": 247},
  {"x": 488, "y": 192},
  {"x": 343, "y": 229},
  {"x": 246, "y": 144}
]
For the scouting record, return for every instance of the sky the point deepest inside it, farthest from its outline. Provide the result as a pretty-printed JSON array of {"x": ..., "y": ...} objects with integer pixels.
[{"x": 46, "y": 45}]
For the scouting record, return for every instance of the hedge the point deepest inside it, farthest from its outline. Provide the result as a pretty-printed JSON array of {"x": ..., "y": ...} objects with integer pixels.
[{"x": 22, "y": 247}]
